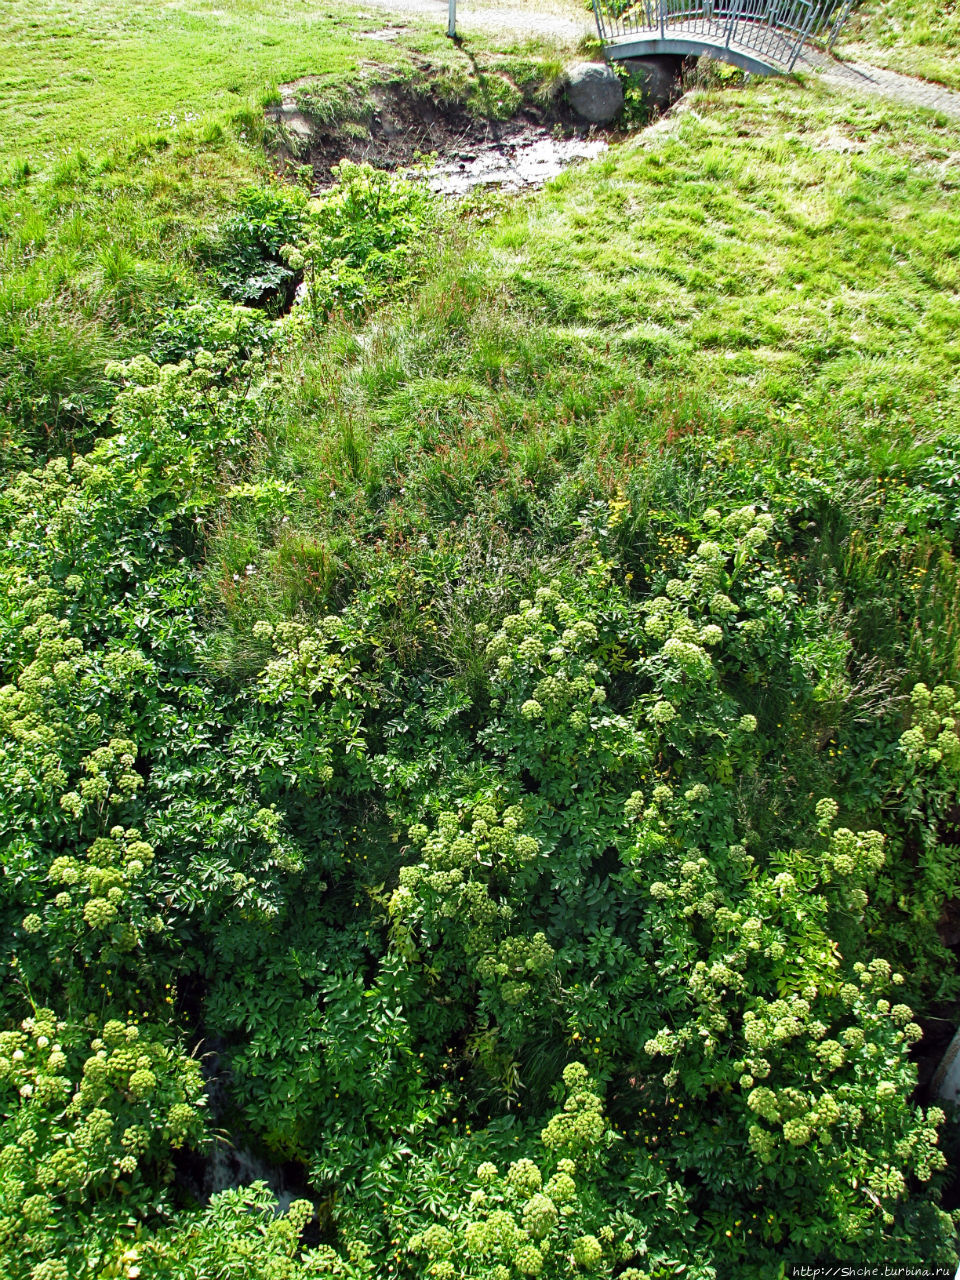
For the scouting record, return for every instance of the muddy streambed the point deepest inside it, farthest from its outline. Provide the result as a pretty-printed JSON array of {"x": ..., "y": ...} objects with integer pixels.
[
  {"x": 452, "y": 149},
  {"x": 527, "y": 160}
]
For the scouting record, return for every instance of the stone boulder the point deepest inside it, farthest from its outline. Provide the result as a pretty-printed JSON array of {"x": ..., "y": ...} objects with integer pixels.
[
  {"x": 296, "y": 129},
  {"x": 658, "y": 79},
  {"x": 593, "y": 90}
]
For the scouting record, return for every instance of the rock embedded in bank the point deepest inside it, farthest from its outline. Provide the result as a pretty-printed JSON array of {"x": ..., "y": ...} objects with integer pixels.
[
  {"x": 297, "y": 127},
  {"x": 593, "y": 90}
]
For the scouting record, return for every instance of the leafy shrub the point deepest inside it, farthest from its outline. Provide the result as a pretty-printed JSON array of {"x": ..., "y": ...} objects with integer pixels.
[
  {"x": 535, "y": 1219},
  {"x": 87, "y": 1123},
  {"x": 183, "y": 331},
  {"x": 242, "y": 1234},
  {"x": 578, "y": 871},
  {"x": 722, "y": 929},
  {"x": 246, "y": 257},
  {"x": 363, "y": 239},
  {"x": 86, "y": 716}
]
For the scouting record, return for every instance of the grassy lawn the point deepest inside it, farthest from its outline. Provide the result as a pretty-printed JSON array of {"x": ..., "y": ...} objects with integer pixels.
[
  {"x": 87, "y": 75},
  {"x": 917, "y": 37},
  {"x": 127, "y": 132}
]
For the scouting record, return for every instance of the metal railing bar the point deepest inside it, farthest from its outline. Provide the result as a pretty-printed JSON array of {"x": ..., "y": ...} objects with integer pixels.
[
  {"x": 842, "y": 14},
  {"x": 801, "y": 38}
]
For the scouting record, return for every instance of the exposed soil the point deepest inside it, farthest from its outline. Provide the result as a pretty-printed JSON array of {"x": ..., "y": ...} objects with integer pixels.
[{"x": 406, "y": 124}]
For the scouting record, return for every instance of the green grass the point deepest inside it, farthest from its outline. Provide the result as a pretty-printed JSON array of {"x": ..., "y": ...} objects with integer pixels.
[
  {"x": 770, "y": 247},
  {"x": 86, "y": 75},
  {"x": 915, "y": 37},
  {"x": 775, "y": 269},
  {"x": 126, "y": 132}
]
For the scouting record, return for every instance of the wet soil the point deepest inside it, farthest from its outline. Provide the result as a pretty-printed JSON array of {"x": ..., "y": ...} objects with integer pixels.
[
  {"x": 528, "y": 159},
  {"x": 406, "y": 124}
]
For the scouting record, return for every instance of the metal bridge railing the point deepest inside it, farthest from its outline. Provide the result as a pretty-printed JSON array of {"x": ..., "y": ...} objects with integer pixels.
[{"x": 773, "y": 31}]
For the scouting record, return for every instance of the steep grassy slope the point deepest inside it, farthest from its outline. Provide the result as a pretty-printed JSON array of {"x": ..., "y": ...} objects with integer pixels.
[
  {"x": 773, "y": 264},
  {"x": 499, "y": 721}
]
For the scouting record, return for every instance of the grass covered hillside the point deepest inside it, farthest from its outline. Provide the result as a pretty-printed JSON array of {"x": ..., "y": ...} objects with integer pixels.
[
  {"x": 127, "y": 132},
  {"x": 483, "y": 744}
]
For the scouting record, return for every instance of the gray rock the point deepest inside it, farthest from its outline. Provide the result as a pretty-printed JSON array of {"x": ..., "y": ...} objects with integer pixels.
[
  {"x": 296, "y": 129},
  {"x": 657, "y": 78},
  {"x": 593, "y": 90}
]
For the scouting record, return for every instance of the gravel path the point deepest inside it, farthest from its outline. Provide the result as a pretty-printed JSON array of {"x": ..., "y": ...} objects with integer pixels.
[
  {"x": 570, "y": 23},
  {"x": 567, "y": 24},
  {"x": 865, "y": 81}
]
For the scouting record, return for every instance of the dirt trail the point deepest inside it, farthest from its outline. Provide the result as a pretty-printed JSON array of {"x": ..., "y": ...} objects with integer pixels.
[{"x": 568, "y": 24}]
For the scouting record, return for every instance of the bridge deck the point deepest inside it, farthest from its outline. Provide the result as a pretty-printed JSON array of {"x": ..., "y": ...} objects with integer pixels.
[
  {"x": 696, "y": 39},
  {"x": 762, "y": 36}
]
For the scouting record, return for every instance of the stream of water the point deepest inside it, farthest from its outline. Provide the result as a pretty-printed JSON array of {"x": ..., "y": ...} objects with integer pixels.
[{"x": 514, "y": 164}]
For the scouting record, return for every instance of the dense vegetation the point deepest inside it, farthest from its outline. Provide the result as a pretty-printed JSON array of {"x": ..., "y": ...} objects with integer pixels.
[{"x": 500, "y": 720}]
